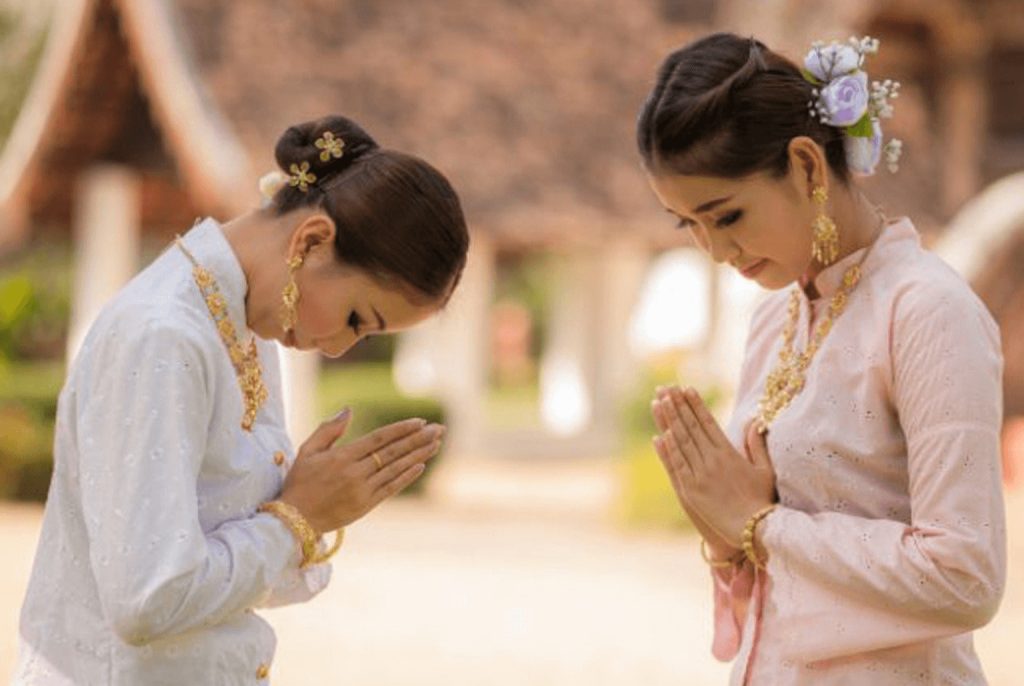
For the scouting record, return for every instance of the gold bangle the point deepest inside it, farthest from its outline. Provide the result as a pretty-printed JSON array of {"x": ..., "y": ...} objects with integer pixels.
[
  {"x": 748, "y": 535},
  {"x": 712, "y": 562},
  {"x": 297, "y": 524},
  {"x": 320, "y": 558}
]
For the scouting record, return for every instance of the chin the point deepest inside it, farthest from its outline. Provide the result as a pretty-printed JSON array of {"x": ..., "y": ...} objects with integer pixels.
[{"x": 773, "y": 280}]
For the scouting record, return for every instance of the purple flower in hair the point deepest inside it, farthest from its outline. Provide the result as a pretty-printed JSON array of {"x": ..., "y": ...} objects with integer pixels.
[
  {"x": 845, "y": 100},
  {"x": 864, "y": 152},
  {"x": 826, "y": 62}
]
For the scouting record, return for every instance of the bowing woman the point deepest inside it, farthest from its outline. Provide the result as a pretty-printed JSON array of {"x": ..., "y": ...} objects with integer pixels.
[{"x": 178, "y": 505}]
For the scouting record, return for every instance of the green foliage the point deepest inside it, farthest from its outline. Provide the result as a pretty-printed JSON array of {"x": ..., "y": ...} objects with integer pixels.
[
  {"x": 28, "y": 407},
  {"x": 368, "y": 388},
  {"x": 864, "y": 128},
  {"x": 35, "y": 303}
]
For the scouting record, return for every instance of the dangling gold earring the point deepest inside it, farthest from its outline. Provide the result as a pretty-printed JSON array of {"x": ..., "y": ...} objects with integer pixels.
[
  {"x": 290, "y": 296},
  {"x": 825, "y": 243}
]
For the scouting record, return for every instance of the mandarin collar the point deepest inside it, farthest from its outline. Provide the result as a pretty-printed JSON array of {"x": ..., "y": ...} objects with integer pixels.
[
  {"x": 207, "y": 243},
  {"x": 896, "y": 232}
]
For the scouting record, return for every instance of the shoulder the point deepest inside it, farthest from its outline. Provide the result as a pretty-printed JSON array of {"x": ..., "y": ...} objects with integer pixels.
[
  {"x": 929, "y": 297},
  {"x": 148, "y": 319}
]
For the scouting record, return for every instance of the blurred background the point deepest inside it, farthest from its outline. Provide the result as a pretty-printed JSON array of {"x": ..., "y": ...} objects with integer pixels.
[{"x": 544, "y": 545}]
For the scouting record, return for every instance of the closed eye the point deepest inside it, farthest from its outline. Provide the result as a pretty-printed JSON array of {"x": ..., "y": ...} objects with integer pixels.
[
  {"x": 355, "y": 321},
  {"x": 729, "y": 219}
]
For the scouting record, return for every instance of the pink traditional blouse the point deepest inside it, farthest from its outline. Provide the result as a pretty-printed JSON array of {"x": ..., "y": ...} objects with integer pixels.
[{"x": 888, "y": 546}]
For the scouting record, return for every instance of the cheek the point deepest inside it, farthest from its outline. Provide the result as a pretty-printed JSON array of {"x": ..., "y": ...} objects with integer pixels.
[{"x": 317, "y": 319}]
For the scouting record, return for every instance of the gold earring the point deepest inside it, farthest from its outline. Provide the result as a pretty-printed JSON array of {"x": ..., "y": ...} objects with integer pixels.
[
  {"x": 825, "y": 243},
  {"x": 290, "y": 296}
]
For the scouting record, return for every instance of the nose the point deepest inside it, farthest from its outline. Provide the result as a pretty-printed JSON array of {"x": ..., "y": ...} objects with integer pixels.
[{"x": 721, "y": 248}]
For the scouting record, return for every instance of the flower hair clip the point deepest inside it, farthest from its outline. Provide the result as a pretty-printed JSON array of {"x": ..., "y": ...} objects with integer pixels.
[
  {"x": 301, "y": 176},
  {"x": 329, "y": 146},
  {"x": 843, "y": 99}
]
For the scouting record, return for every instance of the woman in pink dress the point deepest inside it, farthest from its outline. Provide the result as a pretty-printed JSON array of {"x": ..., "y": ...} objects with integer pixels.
[{"x": 851, "y": 511}]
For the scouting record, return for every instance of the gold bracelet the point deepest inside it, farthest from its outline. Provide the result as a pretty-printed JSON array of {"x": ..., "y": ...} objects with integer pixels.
[
  {"x": 748, "y": 535},
  {"x": 712, "y": 562},
  {"x": 320, "y": 558},
  {"x": 297, "y": 524}
]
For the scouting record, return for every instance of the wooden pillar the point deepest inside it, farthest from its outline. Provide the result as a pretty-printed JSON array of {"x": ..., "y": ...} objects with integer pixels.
[
  {"x": 107, "y": 241},
  {"x": 300, "y": 373}
]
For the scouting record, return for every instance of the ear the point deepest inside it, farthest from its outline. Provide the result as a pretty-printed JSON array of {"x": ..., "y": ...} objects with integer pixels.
[
  {"x": 808, "y": 166},
  {"x": 312, "y": 231}
]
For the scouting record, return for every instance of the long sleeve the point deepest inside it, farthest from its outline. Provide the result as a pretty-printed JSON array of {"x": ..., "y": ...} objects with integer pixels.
[
  {"x": 843, "y": 584},
  {"x": 297, "y": 585},
  {"x": 142, "y": 425}
]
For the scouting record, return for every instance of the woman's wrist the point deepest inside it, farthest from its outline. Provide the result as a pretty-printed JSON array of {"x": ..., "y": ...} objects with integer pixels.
[
  {"x": 719, "y": 556},
  {"x": 306, "y": 536},
  {"x": 752, "y": 544}
]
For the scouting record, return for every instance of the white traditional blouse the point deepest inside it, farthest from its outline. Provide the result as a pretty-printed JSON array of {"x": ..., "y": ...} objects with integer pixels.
[{"x": 152, "y": 555}]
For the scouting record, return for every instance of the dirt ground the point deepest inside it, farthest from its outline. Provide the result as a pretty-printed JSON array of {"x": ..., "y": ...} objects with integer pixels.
[{"x": 505, "y": 577}]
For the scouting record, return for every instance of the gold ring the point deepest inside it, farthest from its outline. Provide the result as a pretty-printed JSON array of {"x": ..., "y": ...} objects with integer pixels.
[{"x": 376, "y": 458}]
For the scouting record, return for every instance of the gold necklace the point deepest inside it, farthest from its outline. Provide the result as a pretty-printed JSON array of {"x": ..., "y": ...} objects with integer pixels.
[
  {"x": 245, "y": 359},
  {"x": 787, "y": 378}
]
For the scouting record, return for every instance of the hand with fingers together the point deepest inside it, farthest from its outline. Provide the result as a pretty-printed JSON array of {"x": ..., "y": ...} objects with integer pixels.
[
  {"x": 719, "y": 487},
  {"x": 334, "y": 485}
]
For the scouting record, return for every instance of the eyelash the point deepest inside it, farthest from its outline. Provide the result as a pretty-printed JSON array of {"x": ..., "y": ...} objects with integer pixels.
[
  {"x": 722, "y": 222},
  {"x": 729, "y": 219},
  {"x": 355, "y": 321}
]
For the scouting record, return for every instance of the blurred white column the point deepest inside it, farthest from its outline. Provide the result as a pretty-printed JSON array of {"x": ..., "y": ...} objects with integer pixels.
[
  {"x": 569, "y": 357},
  {"x": 300, "y": 372},
  {"x": 106, "y": 231},
  {"x": 461, "y": 350},
  {"x": 624, "y": 264}
]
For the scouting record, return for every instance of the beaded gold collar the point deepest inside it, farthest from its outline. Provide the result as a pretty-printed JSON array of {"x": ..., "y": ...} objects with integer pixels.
[
  {"x": 245, "y": 359},
  {"x": 787, "y": 378}
]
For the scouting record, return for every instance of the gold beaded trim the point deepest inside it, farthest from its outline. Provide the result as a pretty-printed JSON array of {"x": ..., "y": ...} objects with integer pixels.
[
  {"x": 787, "y": 379},
  {"x": 245, "y": 359},
  {"x": 747, "y": 540}
]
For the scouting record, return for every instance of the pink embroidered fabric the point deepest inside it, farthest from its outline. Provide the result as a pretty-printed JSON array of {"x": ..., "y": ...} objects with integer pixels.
[{"x": 888, "y": 545}]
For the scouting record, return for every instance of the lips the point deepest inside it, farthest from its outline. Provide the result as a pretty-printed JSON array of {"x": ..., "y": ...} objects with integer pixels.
[{"x": 752, "y": 270}]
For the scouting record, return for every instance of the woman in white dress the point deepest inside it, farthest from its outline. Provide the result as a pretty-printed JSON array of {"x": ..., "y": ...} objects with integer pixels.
[{"x": 178, "y": 505}]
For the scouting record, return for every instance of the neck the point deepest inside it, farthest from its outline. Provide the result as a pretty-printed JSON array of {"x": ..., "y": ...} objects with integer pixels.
[
  {"x": 258, "y": 244},
  {"x": 859, "y": 224}
]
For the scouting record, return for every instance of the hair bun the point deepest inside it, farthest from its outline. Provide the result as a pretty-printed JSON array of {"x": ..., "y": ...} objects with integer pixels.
[{"x": 329, "y": 145}]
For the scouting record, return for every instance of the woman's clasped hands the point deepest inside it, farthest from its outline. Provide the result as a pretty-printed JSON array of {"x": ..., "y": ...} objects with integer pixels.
[
  {"x": 334, "y": 485},
  {"x": 717, "y": 486}
]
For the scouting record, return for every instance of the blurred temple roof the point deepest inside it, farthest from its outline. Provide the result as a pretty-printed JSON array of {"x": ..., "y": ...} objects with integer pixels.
[{"x": 528, "y": 106}]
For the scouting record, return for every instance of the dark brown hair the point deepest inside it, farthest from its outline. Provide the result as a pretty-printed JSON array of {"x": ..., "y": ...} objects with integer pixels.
[
  {"x": 728, "y": 106},
  {"x": 395, "y": 215}
]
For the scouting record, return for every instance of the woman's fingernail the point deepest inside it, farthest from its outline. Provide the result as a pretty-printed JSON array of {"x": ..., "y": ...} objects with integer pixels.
[{"x": 344, "y": 413}]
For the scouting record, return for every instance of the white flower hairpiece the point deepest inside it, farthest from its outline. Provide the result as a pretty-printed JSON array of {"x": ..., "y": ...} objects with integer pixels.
[
  {"x": 842, "y": 98},
  {"x": 271, "y": 183}
]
